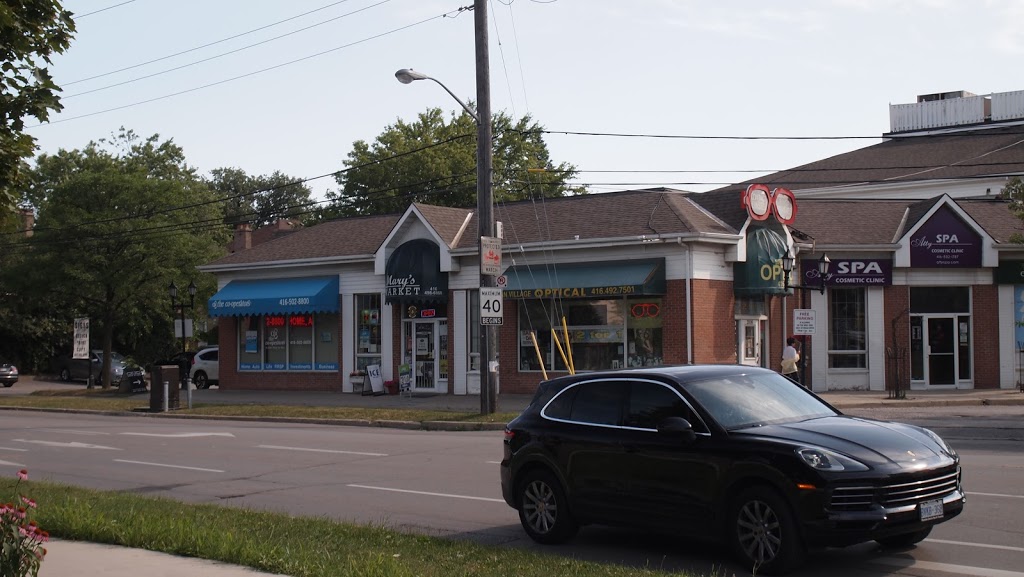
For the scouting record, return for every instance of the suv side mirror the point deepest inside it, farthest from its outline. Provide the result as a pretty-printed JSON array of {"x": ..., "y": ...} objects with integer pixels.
[{"x": 678, "y": 426}]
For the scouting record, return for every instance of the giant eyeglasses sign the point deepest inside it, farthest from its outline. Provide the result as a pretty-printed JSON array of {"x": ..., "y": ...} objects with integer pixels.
[{"x": 760, "y": 201}]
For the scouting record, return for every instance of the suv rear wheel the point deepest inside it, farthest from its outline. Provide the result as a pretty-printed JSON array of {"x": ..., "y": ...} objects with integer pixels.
[
  {"x": 65, "y": 374},
  {"x": 543, "y": 509},
  {"x": 201, "y": 381}
]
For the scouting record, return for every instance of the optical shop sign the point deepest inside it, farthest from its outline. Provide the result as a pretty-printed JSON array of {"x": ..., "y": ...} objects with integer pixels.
[{"x": 945, "y": 241}]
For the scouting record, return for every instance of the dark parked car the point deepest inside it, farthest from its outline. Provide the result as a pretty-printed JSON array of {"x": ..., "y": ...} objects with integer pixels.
[
  {"x": 8, "y": 373},
  {"x": 738, "y": 454},
  {"x": 69, "y": 369}
]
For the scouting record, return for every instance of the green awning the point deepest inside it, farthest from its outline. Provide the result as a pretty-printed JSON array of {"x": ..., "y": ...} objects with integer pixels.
[
  {"x": 762, "y": 273},
  {"x": 589, "y": 280}
]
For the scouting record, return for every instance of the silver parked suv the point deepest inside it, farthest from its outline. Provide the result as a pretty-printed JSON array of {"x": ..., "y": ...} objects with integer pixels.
[{"x": 206, "y": 367}]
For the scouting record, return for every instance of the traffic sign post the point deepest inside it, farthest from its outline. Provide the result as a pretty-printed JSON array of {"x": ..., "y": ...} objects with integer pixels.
[{"x": 490, "y": 306}]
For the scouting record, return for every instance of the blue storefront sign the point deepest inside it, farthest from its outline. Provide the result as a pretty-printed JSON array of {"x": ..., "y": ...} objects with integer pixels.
[{"x": 945, "y": 241}]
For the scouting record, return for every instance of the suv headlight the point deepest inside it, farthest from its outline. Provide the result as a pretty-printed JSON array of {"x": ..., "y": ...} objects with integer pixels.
[
  {"x": 824, "y": 460},
  {"x": 940, "y": 442}
]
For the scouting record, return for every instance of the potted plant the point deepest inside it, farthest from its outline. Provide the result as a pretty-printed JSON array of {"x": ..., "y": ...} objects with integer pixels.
[{"x": 391, "y": 387}]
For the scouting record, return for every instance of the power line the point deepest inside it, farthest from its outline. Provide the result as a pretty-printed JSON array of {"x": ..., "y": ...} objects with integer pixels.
[
  {"x": 223, "y": 54},
  {"x": 207, "y": 45},
  {"x": 239, "y": 196},
  {"x": 80, "y": 16},
  {"x": 225, "y": 81}
]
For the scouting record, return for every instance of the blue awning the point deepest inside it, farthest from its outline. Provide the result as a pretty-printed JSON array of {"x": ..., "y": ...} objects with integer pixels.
[
  {"x": 606, "y": 279},
  {"x": 275, "y": 296}
]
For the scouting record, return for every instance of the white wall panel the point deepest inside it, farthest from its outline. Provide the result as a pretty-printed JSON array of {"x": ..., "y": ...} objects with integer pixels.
[
  {"x": 458, "y": 353},
  {"x": 876, "y": 338},
  {"x": 1009, "y": 370}
]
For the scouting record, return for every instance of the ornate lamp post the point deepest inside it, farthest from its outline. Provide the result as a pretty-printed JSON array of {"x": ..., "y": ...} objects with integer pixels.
[
  {"x": 789, "y": 261},
  {"x": 172, "y": 290}
]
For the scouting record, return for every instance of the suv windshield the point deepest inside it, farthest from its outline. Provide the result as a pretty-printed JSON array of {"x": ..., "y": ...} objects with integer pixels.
[{"x": 744, "y": 401}]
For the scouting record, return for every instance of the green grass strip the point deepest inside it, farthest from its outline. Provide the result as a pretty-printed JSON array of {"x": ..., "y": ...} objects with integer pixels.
[{"x": 279, "y": 543}]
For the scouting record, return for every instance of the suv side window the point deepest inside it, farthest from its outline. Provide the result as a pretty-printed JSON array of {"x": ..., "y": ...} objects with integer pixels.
[
  {"x": 599, "y": 403},
  {"x": 560, "y": 407},
  {"x": 650, "y": 403}
]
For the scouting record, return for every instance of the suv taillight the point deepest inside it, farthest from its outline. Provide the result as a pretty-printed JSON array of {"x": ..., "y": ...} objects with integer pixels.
[{"x": 509, "y": 435}]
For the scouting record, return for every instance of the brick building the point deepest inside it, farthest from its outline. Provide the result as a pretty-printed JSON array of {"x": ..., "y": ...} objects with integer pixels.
[{"x": 922, "y": 285}]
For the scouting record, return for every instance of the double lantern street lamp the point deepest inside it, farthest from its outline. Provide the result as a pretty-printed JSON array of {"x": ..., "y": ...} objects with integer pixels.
[
  {"x": 172, "y": 290},
  {"x": 789, "y": 261}
]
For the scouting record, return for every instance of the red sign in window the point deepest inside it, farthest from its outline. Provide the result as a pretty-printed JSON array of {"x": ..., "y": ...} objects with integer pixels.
[
  {"x": 428, "y": 313},
  {"x": 300, "y": 320},
  {"x": 275, "y": 320}
]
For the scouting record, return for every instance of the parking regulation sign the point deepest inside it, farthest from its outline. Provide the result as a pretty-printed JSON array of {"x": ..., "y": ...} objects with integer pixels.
[
  {"x": 803, "y": 321},
  {"x": 490, "y": 306}
]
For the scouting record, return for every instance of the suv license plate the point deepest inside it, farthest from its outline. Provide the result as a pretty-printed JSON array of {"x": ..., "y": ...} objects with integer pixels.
[{"x": 931, "y": 510}]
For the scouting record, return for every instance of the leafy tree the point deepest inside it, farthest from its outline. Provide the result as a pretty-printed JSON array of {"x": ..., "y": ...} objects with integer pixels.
[
  {"x": 119, "y": 220},
  {"x": 433, "y": 160},
  {"x": 259, "y": 200},
  {"x": 1014, "y": 192},
  {"x": 30, "y": 31}
]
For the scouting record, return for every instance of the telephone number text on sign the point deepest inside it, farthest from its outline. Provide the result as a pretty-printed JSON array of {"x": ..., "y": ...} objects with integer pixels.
[{"x": 294, "y": 301}]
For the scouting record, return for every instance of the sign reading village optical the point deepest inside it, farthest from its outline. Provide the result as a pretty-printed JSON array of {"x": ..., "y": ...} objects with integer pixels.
[{"x": 945, "y": 241}]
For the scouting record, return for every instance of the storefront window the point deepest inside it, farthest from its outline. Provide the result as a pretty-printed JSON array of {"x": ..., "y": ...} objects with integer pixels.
[
  {"x": 602, "y": 334},
  {"x": 473, "y": 331},
  {"x": 299, "y": 342},
  {"x": 249, "y": 332},
  {"x": 368, "y": 334},
  {"x": 275, "y": 350},
  {"x": 847, "y": 347},
  {"x": 326, "y": 347}
]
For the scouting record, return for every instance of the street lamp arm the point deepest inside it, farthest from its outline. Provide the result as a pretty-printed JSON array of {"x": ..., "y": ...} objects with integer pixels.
[{"x": 407, "y": 75}]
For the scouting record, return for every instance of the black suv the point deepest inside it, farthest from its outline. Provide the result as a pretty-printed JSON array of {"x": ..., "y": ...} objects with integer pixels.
[{"x": 738, "y": 454}]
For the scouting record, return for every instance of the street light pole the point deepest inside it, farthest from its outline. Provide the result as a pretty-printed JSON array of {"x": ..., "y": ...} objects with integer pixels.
[{"x": 484, "y": 192}]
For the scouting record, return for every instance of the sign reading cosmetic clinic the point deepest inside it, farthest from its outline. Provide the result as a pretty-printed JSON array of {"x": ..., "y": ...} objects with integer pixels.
[
  {"x": 850, "y": 272},
  {"x": 945, "y": 241}
]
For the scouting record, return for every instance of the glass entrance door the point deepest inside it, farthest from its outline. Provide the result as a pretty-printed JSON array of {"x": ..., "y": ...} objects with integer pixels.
[
  {"x": 421, "y": 352},
  {"x": 749, "y": 332},
  {"x": 941, "y": 351}
]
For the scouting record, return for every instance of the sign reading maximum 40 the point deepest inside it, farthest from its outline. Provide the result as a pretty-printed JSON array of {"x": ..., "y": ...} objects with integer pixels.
[{"x": 490, "y": 306}]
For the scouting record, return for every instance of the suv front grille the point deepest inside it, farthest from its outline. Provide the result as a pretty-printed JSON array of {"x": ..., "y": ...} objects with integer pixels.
[{"x": 894, "y": 495}]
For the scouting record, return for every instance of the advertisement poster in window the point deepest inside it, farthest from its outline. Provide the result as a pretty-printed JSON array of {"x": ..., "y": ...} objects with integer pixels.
[
  {"x": 1019, "y": 315},
  {"x": 251, "y": 346}
]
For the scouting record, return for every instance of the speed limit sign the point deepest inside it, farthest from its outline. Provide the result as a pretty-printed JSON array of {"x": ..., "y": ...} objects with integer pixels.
[{"x": 490, "y": 306}]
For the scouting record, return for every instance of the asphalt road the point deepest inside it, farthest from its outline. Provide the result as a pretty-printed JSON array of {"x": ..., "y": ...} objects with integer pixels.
[{"x": 446, "y": 484}]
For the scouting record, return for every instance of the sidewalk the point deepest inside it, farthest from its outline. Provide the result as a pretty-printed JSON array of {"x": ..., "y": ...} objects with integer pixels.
[{"x": 68, "y": 558}]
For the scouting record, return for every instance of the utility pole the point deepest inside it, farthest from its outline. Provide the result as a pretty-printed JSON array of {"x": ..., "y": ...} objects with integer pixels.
[{"x": 485, "y": 203}]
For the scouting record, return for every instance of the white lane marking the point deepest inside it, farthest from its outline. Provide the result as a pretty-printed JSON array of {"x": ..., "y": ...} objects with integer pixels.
[
  {"x": 72, "y": 445},
  {"x": 982, "y": 545},
  {"x": 13, "y": 449},
  {"x": 904, "y": 563},
  {"x": 321, "y": 450},
  {"x": 169, "y": 466},
  {"x": 996, "y": 495},
  {"x": 11, "y": 464},
  {"x": 179, "y": 435},
  {"x": 72, "y": 431},
  {"x": 427, "y": 493},
  {"x": 493, "y": 462}
]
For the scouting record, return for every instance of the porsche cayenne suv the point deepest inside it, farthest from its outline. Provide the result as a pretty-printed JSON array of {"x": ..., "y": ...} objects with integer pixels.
[{"x": 738, "y": 454}]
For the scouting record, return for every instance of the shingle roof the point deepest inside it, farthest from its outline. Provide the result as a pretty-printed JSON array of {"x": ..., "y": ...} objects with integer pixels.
[
  {"x": 446, "y": 221},
  {"x": 615, "y": 215},
  {"x": 957, "y": 155},
  {"x": 357, "y": 236},
  {"x": 995, "y": 217}
]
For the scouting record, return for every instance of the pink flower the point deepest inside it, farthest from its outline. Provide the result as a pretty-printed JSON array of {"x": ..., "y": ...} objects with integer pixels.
[
  {"x": 30, "y": 502},
  {"x": 23, "y": 475}
]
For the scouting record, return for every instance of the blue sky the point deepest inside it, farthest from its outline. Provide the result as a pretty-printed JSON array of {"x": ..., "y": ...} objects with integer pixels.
[{"x": 821, "y": 68}]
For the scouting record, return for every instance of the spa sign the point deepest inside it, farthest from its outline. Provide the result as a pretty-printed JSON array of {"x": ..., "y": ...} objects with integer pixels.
[{"x": 945, "y": 241}]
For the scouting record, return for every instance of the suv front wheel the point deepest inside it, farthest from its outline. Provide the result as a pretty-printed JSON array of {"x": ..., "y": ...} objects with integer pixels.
[
  {"x": 543, "y": 509},
  {"x": 200, "y": 380},
  {"x": 764, "y": 533}
]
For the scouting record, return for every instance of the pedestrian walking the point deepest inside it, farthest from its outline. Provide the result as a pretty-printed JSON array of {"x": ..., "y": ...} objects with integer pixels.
[{"x": 790, "y": 360}]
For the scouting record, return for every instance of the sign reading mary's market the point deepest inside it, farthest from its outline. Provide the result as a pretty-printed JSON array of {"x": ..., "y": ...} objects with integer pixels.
[{"x": 945, "y": 241}]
